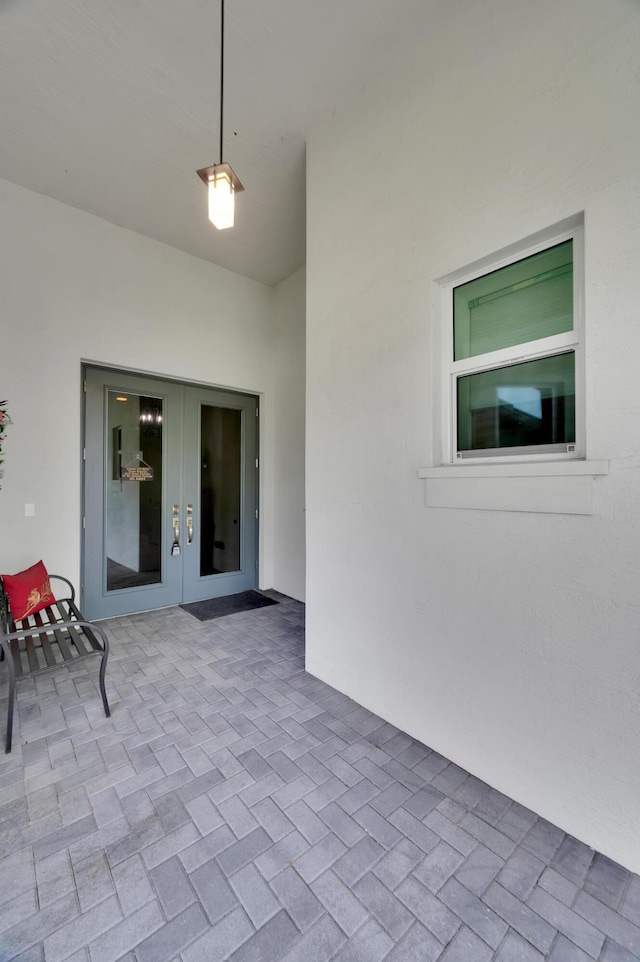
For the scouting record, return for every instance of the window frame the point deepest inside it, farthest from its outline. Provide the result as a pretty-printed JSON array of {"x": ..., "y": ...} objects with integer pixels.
[{"x": 573, "y": 340}]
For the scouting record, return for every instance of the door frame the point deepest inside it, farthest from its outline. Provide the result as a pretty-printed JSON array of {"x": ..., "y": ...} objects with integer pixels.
[{"x": 141, "y": 379}]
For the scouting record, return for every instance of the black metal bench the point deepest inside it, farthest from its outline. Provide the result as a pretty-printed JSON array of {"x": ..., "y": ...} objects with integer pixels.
[{"x": 55, "y": 637}]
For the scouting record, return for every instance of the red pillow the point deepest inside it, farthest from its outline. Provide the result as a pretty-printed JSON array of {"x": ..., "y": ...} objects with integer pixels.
[{"x": 28, "y": 591}]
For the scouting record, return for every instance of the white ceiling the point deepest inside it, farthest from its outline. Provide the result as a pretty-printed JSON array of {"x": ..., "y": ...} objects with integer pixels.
[{"x": 112, "y": 105}]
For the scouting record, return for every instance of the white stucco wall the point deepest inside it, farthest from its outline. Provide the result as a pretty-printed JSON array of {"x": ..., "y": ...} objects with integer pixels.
[
  {"x": 74, "y": 286},
  {"x": 507, "y": 641},
  {"x": 288, "y": 469}
]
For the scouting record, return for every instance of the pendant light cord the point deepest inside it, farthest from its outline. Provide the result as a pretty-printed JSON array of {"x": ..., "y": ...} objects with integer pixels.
[{"x": 221, "y": 71}]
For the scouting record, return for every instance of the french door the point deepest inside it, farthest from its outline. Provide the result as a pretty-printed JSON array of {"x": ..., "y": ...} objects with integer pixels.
[{"x": 170, "y": 488}]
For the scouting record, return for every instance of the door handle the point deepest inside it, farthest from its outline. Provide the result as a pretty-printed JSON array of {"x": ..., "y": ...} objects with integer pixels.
[
  {"x": 175, "y": 521},
  {"x": 189, "y": 524}
]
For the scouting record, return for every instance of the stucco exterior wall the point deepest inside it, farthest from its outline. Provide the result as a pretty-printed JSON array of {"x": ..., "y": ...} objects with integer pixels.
[
  {"x": 507, "y": 641},
  {"x": 289, "y": 441}
]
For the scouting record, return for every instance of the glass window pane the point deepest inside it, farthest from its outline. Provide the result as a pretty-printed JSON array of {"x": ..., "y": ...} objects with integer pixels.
[
  {"x": 134, "y": 498},
  {"x": 220, "y": 489},
  {"x": 524, "y": 404},
  {"x": 530, "y": 299}
]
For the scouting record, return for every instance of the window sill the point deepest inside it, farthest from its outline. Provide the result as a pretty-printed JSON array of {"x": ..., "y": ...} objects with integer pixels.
[{"x": 549, "y": 487}]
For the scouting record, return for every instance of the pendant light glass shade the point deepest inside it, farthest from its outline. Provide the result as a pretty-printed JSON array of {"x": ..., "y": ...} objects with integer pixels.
[
  {"x": 222, "y": 185},
  {"x": 221, "y": 201}
]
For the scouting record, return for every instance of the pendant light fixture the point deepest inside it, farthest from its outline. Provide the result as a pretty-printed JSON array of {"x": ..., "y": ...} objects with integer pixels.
[{"x": 221, "y": 181}]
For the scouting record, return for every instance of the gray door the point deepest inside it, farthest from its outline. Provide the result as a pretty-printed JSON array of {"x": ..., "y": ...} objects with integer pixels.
[{"x": 169, "y": 493}]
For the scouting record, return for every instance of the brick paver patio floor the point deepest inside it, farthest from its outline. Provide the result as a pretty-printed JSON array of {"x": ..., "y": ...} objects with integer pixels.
[{"x": 235, "y": 808}]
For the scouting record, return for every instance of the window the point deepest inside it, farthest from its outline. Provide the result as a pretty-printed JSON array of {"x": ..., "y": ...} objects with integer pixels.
[{"x": 513, "y": 342}]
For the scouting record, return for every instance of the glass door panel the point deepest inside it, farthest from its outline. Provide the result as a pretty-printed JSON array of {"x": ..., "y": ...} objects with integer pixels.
[
  {"x": 134, "y": 490},
  {"x": 220, "y": 501},
  {"x": 220, "y": 493},
  {"x": 133, "y": 477}
]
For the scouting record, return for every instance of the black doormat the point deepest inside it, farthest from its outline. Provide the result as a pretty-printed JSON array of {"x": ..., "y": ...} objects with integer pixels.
[{"x": 229, "y": 605}]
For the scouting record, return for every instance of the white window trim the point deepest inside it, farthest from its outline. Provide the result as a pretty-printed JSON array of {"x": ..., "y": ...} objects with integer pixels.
[
  {"x": 546, "y": 480},
  {"x": 545, "y": 347},
  {"x": 537, "y": 469}
]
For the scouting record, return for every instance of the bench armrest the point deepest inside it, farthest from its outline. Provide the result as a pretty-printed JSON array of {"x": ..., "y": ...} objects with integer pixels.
[{"x": 66, "y": 580}]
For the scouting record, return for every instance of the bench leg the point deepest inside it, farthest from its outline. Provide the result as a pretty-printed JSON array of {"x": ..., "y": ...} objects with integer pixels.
[
  {"x": 103, "y": 668},
  {"x": 12, "y": 695}
]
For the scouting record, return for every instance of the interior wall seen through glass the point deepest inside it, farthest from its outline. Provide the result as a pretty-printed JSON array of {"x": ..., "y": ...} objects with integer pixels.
[
  {"x": 133, "y": 500},
  {"x": 220, "y": 489}
]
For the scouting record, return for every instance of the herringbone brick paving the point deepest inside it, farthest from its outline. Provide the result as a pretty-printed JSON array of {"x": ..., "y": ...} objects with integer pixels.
[{"x": 235, "y": 808}]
